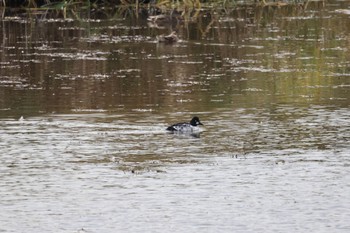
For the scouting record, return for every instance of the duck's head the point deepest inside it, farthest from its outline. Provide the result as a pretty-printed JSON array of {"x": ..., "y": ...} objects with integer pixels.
[{"x": 195, "y": 121}]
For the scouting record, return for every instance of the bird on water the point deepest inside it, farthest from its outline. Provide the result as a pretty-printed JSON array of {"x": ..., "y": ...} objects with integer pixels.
[
  {"x": 185, "y": 126},
  {"x": 168, "y": 39}
]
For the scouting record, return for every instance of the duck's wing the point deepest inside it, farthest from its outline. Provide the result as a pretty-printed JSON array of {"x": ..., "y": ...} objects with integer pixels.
[
  {"x": 171, "y": 128},
  {"x": 176, "y": 127}
]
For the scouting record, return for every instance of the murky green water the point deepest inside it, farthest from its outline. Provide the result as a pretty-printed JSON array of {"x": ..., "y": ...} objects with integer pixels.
[{"x": 85, "y": 103}]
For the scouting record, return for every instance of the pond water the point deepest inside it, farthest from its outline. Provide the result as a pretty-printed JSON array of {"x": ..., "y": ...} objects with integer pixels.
[{"x": 85, "y": 103}]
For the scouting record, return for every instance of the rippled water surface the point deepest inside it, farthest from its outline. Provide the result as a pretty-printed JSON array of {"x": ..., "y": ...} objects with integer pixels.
[{"x": 85, "y": 103}]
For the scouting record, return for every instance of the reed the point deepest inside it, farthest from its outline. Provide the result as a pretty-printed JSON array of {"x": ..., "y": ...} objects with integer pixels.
[
  {"x": 61, "y": 4},
  {"x": 190, "y": 8}
]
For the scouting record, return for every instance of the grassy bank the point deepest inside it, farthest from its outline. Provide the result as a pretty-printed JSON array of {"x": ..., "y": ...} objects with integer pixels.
[{"x": 189, "y": 3}]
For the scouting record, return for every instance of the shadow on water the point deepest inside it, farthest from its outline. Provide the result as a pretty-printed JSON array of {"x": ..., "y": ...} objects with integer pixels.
[{"x": 265, "y": 54}]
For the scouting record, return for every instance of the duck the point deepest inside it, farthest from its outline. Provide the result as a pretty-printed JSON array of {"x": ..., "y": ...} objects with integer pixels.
[
  {"x": 174, "y": 17},
  {"x": 171, "y": 38},
  {"x": 159, "y": 18},
  {"x": 185, "y": 126}
]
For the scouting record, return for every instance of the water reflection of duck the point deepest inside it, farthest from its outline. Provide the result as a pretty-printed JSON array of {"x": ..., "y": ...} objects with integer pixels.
[
  {"x": 171, "y": 38},
  {"x": 185, "y": 127}
]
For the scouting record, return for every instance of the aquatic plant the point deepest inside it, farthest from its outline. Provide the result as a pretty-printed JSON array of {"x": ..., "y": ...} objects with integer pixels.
[{"x": 67, "y": 5}]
